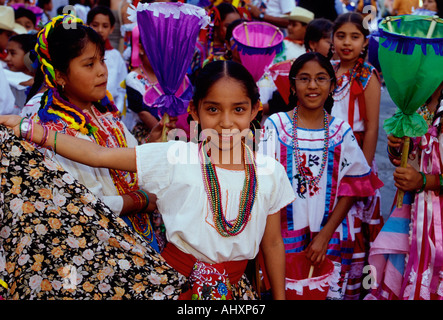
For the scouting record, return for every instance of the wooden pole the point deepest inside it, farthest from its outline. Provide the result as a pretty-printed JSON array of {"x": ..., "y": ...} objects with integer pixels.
[
  {"x": 246, "y": 33},
  {"x": 165, "y": 119},
  {"x": 403, "y": 163},
  {"x": 273, "y": 36},
  {"x": 311, "y": 271},
  {"x": 388, "y": 21},
  {"x": 432, "y": 27}
]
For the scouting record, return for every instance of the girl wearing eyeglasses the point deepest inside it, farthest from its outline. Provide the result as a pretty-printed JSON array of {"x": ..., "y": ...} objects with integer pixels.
[{"x": 326, "y": 167}]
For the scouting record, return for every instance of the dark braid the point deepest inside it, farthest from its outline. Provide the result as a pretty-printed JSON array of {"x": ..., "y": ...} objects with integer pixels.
[{"x": 330, "y": 52}]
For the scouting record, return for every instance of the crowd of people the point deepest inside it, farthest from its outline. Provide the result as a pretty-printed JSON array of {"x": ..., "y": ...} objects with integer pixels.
[{"x": 94, "y": 205}]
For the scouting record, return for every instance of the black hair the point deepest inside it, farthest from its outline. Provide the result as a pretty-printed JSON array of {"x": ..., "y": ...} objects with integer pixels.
[
  {"x": 299, "y": 63},
  {"x": 316, "y": 30},
  {"x": 23, "y": 12},
  {"x": 41, "y": 3},
  {"x": 27, "y": 41},
  {"x": 87, "y": 3},
  {"x": 217, "y": 70},
  {"x": 67, "y": 44},
  {"x": 356, "y": 19},
  {"x": 439, "y": 8},
  {"x": 59, "y": 10},
  {"x": 104, "y": 10},
  {"x": 224, "y": 9},
  {"x": 231, "y": 28}
]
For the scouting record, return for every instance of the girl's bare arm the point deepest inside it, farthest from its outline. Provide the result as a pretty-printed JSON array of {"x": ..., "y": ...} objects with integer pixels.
[
  {"x": 274, "y": 255},
  {"x": 77, "y": 149},
  {"x": 372, "y": 101}
]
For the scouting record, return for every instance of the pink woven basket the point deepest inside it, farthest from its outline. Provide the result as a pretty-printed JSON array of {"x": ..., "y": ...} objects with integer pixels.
[{"x": 257, "y": 43}]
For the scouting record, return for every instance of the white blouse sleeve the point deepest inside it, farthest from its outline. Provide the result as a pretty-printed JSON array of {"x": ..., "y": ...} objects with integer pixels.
[
  {"x": 7, "y": 99},
  {"x": 353, "y": 161},
  {"x": 154, "y": 167},
  {"x": 281, "y": 193},
  {"x": 284, "y": 193}
]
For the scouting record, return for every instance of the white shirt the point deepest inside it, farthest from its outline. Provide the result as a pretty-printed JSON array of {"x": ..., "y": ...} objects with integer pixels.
[
  {"x": 117, "y": 73},
  {"x": 172, "y": 171},
  {"x": 7, "y": 100},
  {"x": 276, "y": 8},
  {"x": 293, "y": 50},
  {"x": 32, "y": 106},
  {"x": 18, "y": 90},
  {"x": 345, "y": 156}
]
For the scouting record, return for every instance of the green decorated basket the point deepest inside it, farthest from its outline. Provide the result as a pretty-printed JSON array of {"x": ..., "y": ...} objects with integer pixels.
[{"x": 411, "y": 60}]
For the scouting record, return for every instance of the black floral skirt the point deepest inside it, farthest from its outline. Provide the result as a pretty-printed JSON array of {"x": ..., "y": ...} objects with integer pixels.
[{"x": 58, "y": 241}]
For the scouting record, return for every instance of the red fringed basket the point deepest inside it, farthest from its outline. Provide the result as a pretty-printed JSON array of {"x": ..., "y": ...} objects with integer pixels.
[{"x": 299, "y": 286}]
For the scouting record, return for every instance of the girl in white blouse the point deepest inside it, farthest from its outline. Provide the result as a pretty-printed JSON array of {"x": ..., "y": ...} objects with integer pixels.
[{"x": 220, "y": 201}]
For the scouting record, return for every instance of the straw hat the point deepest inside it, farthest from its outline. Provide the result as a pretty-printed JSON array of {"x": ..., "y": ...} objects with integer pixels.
[
  {"x": 300, "y": 14},
  {"x": 7, "y": 20}
]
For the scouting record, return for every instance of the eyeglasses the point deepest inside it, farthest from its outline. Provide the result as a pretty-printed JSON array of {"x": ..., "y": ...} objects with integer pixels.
[{"x": 320, "y": 80}]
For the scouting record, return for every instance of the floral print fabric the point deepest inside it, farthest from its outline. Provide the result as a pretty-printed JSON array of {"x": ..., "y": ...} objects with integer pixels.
[
  {"x": 209, "y": 283},
  {"x": 58, "y": 241}
]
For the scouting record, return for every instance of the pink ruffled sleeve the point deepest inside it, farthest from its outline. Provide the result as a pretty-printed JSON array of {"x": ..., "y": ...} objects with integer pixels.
[
  {"x": 356, "y": 177},
  {"x": 359, "y": 186}
]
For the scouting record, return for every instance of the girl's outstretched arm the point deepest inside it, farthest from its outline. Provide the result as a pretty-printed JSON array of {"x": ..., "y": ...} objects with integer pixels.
[
  {"x": 77, "y": 149},
  {"x": 274, "y": 255}
]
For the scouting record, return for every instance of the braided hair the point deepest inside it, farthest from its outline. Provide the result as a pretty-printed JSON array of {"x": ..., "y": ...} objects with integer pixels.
[{"x": 62, "y": 39}]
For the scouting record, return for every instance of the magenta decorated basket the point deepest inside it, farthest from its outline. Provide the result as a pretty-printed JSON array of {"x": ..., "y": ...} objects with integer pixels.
[{"x": 257, "y": 43}]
